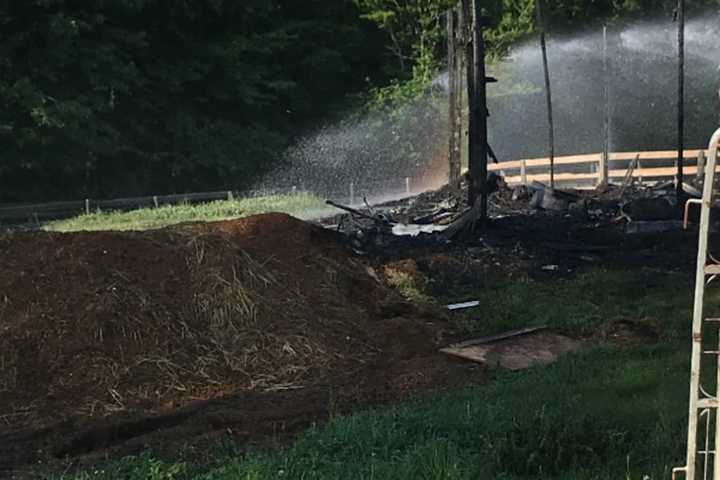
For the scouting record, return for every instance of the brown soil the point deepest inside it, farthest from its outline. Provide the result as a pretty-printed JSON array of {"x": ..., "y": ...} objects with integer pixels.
[
  {"x": 112, "y": 341},
  {"x": 253, "y": 329}
]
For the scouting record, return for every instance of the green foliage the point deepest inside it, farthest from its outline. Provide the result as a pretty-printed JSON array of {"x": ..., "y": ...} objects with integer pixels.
[
  {"x": 512, "y": 21},
  {"x": 415, "y": 28},
  {"x": 109, "y": 99},
  {"x": 583, "y": 304},
  {"x": 301, "y": 205},
  {"x": 144, "y": 467}
]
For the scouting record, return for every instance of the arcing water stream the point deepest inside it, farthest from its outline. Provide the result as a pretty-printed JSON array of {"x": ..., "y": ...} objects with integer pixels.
[{"x": 373, "y": 154}]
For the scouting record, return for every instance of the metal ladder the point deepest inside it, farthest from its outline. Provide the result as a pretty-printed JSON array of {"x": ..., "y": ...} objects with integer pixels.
[{"x": 703, "y": 445}]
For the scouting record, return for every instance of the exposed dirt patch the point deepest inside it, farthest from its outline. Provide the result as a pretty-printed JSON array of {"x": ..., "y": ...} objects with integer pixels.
[
  {"x": 630, "y": 333},
  {"x": 518, "y": 353},
  {"x": 110, "y": 339},
  {"x": 252, "y": 329}
]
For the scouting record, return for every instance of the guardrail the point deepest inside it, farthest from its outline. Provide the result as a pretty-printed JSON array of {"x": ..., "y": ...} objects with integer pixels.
[{"x": 585, "y": 171}]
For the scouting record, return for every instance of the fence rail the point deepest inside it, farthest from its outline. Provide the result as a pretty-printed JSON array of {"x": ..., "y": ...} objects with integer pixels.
[
  {"x": 586, "y": 171},
  {"x": 573, "y": 170}
]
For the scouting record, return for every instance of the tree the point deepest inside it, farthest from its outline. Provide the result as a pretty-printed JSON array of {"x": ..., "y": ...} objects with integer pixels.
[{"x": 138, "y": 96}]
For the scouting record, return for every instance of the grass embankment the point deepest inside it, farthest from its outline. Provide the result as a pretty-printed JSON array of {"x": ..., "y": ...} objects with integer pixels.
[
  {"x": 607, "y": 412},
  {"x": 302, "y": 205}
]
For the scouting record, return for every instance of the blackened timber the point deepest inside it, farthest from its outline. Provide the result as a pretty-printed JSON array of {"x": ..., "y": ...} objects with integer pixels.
[{"x": 478, "y": 117}]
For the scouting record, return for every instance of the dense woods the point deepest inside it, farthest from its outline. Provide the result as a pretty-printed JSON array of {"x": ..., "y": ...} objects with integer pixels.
[
  {"x": 115, "y": 98},
  {"x": 101, "y": 99}
]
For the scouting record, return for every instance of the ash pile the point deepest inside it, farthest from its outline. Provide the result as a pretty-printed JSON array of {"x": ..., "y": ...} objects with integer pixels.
[{"x": 430, "y": 216}]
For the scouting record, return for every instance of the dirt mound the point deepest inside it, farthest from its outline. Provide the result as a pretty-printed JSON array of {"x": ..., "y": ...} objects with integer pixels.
[{"x": 117, "y": 323}]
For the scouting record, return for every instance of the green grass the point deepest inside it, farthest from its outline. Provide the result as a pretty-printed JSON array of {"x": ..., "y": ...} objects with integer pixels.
[
  {"x": 301, "y": 205},
  {"x": 604, "y": 413},
  {"x": 584, "y": 303}
]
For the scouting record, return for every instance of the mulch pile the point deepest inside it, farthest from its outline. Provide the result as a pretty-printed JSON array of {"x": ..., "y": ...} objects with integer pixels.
[{"x": 98, "y": 324}]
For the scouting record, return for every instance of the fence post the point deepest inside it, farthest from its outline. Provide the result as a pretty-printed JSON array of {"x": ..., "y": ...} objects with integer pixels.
[
  {"x": 230, "y": 196},
  {"x": 523, "y": 173},
  {"x": 602, "y": 169},
  {"x": 700, "y": 174},
  {"x": 294, "y": 190},
  {"x": 352, "y": 193},
  {"x": 155, "y": 201},
  {"x": 407, "y": 184},
  {"x": 605, "y": 156},
  {"x": 639, "y": 167},
  {"x": 87, "y": 206}
]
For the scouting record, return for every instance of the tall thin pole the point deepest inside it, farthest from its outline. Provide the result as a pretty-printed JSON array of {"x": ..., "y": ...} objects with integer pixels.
[
  {"x": 454, "y": 139},
  {"x": 681, "y": 96},
  {"x": 481, "y": 84},
  {"x": 463, "y": 37},
  {"x": 606, "y": 115},
  {"x": 548, "y": 92},
  {"x": 468, "y": 17}
]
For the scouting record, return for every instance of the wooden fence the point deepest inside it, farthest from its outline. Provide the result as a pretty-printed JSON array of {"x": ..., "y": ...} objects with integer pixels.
[
  {"x": 576, "y": 170},
  {"x": 585, "y": 170}
]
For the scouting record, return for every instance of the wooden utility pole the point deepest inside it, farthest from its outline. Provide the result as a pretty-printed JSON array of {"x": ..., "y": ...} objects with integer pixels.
[
  {"x": 454, "y": 124},
  {"x": 548, "y": 93},
  {"x": 681, "y": 97},
  {"x": 478, "y": 114}
]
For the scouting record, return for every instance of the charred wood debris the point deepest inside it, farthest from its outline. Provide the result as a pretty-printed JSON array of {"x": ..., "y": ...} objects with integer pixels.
[{"x": 430, "y": 216}]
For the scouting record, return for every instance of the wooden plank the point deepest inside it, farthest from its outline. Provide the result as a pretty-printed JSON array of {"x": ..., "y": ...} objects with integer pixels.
[
  {"x": 541, "y": 162},
  {"x": 499, "y": 336},
  {"x": 464, "y": 305},
  {"x": 654, "y": 172},
  {"x": 712, "y": 269},
  {"x": 659, "y": 155},
  {"x": 592, "y": 158},
  {"x": 544, "y": 177},
  {"x": 659, "y": 172},
  {"x": 517, "y": 353}
]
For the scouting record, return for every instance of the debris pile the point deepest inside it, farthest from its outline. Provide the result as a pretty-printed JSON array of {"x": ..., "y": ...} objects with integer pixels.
[{"x": 640, "y": 208}]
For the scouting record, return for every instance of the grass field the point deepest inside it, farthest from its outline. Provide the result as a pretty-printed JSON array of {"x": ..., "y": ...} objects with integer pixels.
[
  {"x": 608, "y": 412},
  {"x": 301, "y": 205}
]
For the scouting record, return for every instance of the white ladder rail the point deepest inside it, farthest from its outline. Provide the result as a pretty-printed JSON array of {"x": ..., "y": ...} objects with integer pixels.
[{"x": 702, "y": 406}]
